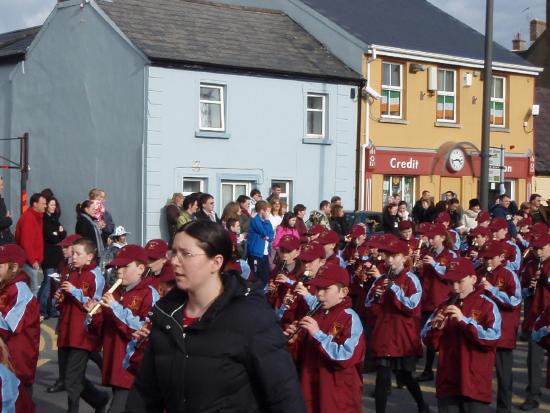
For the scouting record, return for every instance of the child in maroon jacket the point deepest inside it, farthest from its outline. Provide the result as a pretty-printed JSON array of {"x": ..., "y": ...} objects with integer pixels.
[
  {"x": 13, "y": 394},
  {"x": 19, "y": 314},
  {"x": 331, "y": 347},
  {"x": 395, "y": 302},
  {"x": 123, "y": 312},
  {"x": 83, "y": 283},
  {"x": 503, "y": 287},
  {"x": 465, "y": 329}
]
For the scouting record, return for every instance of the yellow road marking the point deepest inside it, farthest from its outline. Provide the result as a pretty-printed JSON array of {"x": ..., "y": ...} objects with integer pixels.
[
  {"x": 51, "y": 334},
  {"x": 42, "y": 344},
  {"x": 41, "y": 362}
]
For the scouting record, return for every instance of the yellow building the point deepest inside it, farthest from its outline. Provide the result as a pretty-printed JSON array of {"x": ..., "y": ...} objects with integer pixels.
[{"x": 423, "y": 121}]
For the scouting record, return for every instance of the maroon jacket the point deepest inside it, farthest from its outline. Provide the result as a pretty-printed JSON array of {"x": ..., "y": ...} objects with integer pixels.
[
  {"x": 116, "y": 325},
  {"x": 275, "y": 298},
  {"x": 506, "y": 293},
  {"x": 435, "y": 289},
  {"x": 397, "y": 317},
  {"x": 461, "y": 345},
  {"x": 541, "y": 335},
  {"x": 20, "y": 326},
  {"x": 89, "y": 283},
  {"x": 13, "y": 394},
  {"x": 541, "y": 298},
  {"x": 29, "y": 234},
  {"x": 302, "y": 229},
  {"x": 331, "y": 362}
]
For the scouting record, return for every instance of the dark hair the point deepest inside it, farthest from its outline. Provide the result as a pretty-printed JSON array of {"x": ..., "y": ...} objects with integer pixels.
[
  {"x": 189, "y": 200},
  {"x": 334, "y": 199},
  {"x": 402, "y": 203},
  {"x": 275, "y": 186},
  {"x": 453, "y": 201},
  {"x": 203, "y": 198},
  {"x": 299, "y": 208},
  {"x": 533, "y": 197},
  {"x": 501, "y": 197},
  {"x": 261, "y": 205},
  {"x": 47, "y": 193},
  {"x": 57, "y": 211},
  {"x": 230, "y": 222},
  {"x": 82, "y": 206},
  {"x": 242, "y": 199},
  {"x": 211, "y": 237},
  {"x": 473, "y": 203},
  {"x": 323, "y": 204},
  {"x": 255, "y": 192},
  {"x": 286, "y": 218},
  {"x": 88, "y": 244},
  {"x": 35, "y": 198},
  {"x": 441, "y": 206}
]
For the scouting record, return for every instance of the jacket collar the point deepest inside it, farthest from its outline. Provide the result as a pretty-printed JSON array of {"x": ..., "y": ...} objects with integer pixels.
[{"x": 22, "y": 276}]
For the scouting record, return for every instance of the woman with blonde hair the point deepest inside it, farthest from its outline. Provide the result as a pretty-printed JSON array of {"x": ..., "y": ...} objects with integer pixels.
[
  {"x": 173, "y": 211},
  {"x": 276, "y": 215},
  {"x": 231, "y": 211},
  {"x": 104, "y": 218}
]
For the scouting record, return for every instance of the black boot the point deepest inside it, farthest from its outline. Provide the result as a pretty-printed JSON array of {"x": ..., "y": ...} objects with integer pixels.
[
  {"x": 72, "y": 406},
  {"x": 56, "y": 387}
]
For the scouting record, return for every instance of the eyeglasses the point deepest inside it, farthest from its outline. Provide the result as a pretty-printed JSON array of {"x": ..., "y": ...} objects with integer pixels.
[{"x": 181, "y": 254}]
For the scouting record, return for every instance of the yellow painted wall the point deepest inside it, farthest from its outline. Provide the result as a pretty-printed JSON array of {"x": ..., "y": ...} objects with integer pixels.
[
  {"x": 541, "y": 186},
  {"x": 420, "y": 131}
]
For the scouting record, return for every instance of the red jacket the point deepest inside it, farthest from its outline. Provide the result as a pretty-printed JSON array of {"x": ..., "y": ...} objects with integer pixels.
[
  {"x": 89, "y": 283},
  {"x": 275, "y": 297},
  {"x": 541, "y": 297},
  {"x": 20, "y": 326},
  {"x": 13, "y": 394},
  {"x": 435, "y": 289},
  {"x": 465, "y": 344},
  {"x": 29, "y": 234},
  {"x": 506, "y": 293},
  {"x": 332, "y": 360},
  {"x": 117, "y": 324},
  {"x": 397, "y": 314}
]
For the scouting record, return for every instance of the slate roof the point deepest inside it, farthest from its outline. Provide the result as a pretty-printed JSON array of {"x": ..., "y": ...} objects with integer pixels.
[
  {"x": 200, "y": 33},
  {"x": 410, "y": 24},
  {"x": 14, "y": 44},
  {"x": 542, "y": 132}
]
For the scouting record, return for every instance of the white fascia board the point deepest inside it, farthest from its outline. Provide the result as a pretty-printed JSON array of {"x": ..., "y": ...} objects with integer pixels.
[{"x": 451, "y": 60}]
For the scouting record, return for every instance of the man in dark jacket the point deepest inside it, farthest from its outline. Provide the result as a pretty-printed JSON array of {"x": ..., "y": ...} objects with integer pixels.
[
  {"x": 421, "y": 214},
  {"x": 6, "y": 237},
  {"x": 505, "y": 209}
]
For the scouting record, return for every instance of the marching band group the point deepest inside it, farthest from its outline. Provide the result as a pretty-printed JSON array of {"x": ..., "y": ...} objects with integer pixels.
[{"x": 182, "y": 330}]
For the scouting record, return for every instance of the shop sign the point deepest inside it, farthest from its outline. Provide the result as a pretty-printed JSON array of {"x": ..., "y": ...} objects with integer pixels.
[{"x": 371, "y": 158}]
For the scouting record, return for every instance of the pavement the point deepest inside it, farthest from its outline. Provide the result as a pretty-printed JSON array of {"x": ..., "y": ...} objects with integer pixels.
[{"x": 399, "y": 401}]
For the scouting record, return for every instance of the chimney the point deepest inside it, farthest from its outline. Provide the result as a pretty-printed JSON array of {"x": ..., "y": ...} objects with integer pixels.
[
  {"x": 536, "y": 28},
  {"x": 518, "y": 44}
]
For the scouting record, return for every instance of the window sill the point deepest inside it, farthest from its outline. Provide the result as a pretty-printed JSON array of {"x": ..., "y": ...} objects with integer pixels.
[
  {"x": 212, "y": 135},
  {"x": 447, "y": 125},
  {"x": 497, "y": 129},
  {"x": 317, "y": 141},
  {"x": 392, "y": 120}
]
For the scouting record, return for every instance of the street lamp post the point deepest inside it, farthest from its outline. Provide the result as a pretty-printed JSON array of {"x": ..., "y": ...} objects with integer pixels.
[{"x": 487, "y": 92}]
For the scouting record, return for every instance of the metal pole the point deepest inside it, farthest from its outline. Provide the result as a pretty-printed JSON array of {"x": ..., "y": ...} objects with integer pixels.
[
  {"x": 487, "y": 91},
  {"x": 24, "y": 156}
]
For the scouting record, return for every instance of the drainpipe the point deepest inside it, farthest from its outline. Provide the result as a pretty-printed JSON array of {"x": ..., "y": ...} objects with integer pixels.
[{"x": 367, "y": 143}]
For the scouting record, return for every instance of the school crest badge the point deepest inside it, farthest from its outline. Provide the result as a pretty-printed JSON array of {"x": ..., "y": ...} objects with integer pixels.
[
  {"x": 85, "y": 288},
  {"x": 475, "y": 315},
  {"x": 135, "y": 303},
  {"x": 336, "y": 330}
]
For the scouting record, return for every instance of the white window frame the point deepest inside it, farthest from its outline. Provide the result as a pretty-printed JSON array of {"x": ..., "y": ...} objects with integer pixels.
[
  {"x": 323, "y": 110},
  {"x": 402, "y": 177},
  {"x": 498, "y": 100},
  {"x": 221, "y": 102},
  {"x": 286, "y": 190},
  {"x": 233, "y": 183},
  {"x": 445, "y": 94},
  {"x": 202, "y": 184},
  {"x": 393, "y": 88}
]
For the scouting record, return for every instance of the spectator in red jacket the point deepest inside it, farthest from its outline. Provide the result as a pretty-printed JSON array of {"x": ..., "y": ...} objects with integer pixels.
[
  {"x": 331, "y": 347},
  {"x": 29, "y": 234},
  {"x": 19, "y": 315},
  {"x": 465, "y": 329}
]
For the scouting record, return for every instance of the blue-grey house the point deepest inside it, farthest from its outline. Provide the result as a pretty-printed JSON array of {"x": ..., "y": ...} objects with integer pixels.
[{"x": 145, "y": 99}]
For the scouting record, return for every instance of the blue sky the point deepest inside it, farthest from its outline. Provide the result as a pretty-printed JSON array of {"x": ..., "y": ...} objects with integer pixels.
[{"x": 511, "y": 16}]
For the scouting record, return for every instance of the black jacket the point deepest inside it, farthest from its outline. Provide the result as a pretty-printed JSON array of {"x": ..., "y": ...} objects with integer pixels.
[
  {"x": 52, "y": 252},
  {"x": 6, "y": 237},
  {"x": 233, "y": 360},
  {"x": 202, "y": 215},
  {"x": 87, "y": 227}
]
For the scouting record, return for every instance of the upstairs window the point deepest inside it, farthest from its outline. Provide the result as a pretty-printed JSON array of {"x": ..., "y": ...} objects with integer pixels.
[
  {"x": 498, "y": 102},
  {"x": 316, "y": 115},
  {"x": 446, "y": 95},
  {"x": 391, "y": 102},
  {"x": 212, "y": 108}
]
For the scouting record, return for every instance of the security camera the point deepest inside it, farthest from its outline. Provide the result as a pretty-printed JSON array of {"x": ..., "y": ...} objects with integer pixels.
[{"x": 371, "y": 92}]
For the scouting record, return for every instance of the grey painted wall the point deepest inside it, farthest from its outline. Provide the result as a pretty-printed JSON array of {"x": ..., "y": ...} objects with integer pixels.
[
  {"x": 266, "y": 122},
  {"x": 342, "y": 44},
  {"x": 81, "y": 98}
]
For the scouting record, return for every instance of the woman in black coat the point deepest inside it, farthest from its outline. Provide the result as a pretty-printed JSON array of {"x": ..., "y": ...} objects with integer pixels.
[
  {"x": 390, "y": 219},
  {"x": 54, "y": 233},
  {"x": 86, "y": 225},
  {"x": 6, "y": 237},
  {"x": 215, "y": 345}
]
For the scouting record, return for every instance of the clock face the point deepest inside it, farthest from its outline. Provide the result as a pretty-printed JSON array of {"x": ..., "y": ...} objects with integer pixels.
[{"x": 457, "y": 160}]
